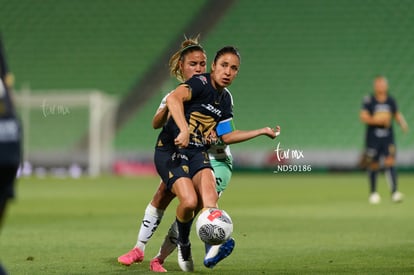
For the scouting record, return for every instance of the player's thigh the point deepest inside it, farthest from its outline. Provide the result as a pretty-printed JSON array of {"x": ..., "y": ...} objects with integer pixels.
[
  {"x": 372, "y": 152},
  {"x": 389, "y": 155},
  {"x": 7, "y": 179},
  {"x": 205, "y": 185},
  {"x": 184, "y": 189},
  {"x": 171, "y": 165},
  {"x": 162, "y": 197}
]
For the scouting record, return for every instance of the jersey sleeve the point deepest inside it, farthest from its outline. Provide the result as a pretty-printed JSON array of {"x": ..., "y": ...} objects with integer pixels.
[
  {"x": 226, "y": 124},
  {"x": 197, "y": 85},
  {"x": 366, "y": 104},
  {"x": 394, "y": 106}
]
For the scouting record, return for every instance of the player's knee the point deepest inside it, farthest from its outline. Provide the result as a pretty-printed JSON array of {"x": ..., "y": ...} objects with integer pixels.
[
  {"x": 389, "y": 162},
  {"x": 189, "y": 203},
  {"x": 162, "y": 199},
  {"x": 374, "y": 166}
]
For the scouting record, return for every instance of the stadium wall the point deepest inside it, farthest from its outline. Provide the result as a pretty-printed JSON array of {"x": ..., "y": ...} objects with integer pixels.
[{"x": 306, "y": 65}]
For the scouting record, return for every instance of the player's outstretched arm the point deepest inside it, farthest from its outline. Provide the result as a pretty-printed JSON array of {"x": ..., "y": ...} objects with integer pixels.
[
  {"x": 401, "y": 121},
  {"x": 176, "y": 108},
  {"x": 240, "y": 135}
]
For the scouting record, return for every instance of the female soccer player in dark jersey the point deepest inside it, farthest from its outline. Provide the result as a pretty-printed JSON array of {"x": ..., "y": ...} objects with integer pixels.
[
  {"x": 181, "y": 157},
  {"x": 378, "y": 111},
  {"x": 190, "y": 59},
  {"x": 182, "y": 65},
  {"x": 197, "y": 108},
  {"x": 10, "y": 139}
]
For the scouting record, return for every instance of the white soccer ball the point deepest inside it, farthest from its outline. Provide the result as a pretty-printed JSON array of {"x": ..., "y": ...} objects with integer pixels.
[{"x": 214, "y": 226}]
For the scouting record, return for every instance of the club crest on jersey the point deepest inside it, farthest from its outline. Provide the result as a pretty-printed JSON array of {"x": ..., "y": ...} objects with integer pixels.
[
  {"x": 202, "y": 78},
  {"x": 185, "y": 169}
]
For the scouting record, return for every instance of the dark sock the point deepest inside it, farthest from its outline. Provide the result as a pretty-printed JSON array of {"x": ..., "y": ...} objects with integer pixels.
[
  {"x": 392, "y": 178},
  {"x": 2, "y": 271},
  {"x": 184, "y": 231},
  {"x": 373, "y": 180}
]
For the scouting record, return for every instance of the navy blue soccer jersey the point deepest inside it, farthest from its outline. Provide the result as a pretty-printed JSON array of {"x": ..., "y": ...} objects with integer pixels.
[
  {"x": 203, "y": 112},
  {"x": 372, "y": 106},
  {"x": 10, "y": 130}
]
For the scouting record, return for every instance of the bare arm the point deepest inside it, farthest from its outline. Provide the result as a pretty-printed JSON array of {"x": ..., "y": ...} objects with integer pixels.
[
  {"x": 240, "y": 136},
  {"x": 176, "y": 108},
  {"x": 368, "y": 119},
  {"x": 401, "y": 121},
  {"x": 160, "y": 117}
]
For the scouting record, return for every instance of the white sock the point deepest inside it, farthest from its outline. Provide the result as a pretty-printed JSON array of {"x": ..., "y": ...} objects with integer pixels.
[
  {"x": 169, "y": 244},
  {"x": 152, "y": 218}
]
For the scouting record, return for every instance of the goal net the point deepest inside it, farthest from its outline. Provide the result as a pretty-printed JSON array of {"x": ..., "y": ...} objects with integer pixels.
[{"x": 67, "y": 128}]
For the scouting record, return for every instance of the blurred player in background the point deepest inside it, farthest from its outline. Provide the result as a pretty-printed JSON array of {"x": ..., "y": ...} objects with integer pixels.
[
  {"x": 10, "y": 137},
  {"x": 378, "y": 112}
]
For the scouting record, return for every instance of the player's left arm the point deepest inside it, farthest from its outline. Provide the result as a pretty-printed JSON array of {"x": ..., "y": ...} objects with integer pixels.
[
  {"x": 399, "y": 118},
  {"x": 229, "y": 135},
  {"x": 244, "y": 135}
]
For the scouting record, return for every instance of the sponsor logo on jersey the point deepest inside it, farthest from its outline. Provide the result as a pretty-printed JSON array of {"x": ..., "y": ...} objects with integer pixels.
[
  {"x": 178, "y": 156},
  {"x": 212, "y": 109},
  {"x": 382, "y": 108}
]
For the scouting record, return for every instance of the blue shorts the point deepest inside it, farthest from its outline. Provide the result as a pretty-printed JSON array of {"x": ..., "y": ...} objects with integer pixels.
[{"x": 173, "y": 163}]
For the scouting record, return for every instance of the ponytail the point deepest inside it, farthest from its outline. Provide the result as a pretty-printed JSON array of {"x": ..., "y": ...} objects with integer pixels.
[{"x": 189, "y": 45}]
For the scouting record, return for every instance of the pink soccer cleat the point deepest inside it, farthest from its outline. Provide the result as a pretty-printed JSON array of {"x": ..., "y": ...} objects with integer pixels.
[
  {"x": 156, "y": 265},
  {"x": 136, "y": 255}
]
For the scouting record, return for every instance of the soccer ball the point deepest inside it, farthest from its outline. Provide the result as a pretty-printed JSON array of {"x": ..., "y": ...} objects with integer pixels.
[{"x": 214, "y": 226}]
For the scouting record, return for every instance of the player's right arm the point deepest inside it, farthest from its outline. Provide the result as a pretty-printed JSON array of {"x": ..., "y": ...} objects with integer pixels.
[
  {"x": 370, "y": 120},
  {"x": 175, "y": 105}
]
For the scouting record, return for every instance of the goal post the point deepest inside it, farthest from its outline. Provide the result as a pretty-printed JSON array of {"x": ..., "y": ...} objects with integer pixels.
[{"x": 68, "y": 127}]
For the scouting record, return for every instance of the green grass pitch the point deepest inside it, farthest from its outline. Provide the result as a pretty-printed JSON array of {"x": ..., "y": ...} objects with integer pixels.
[{"x": 283, "y": 224}]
